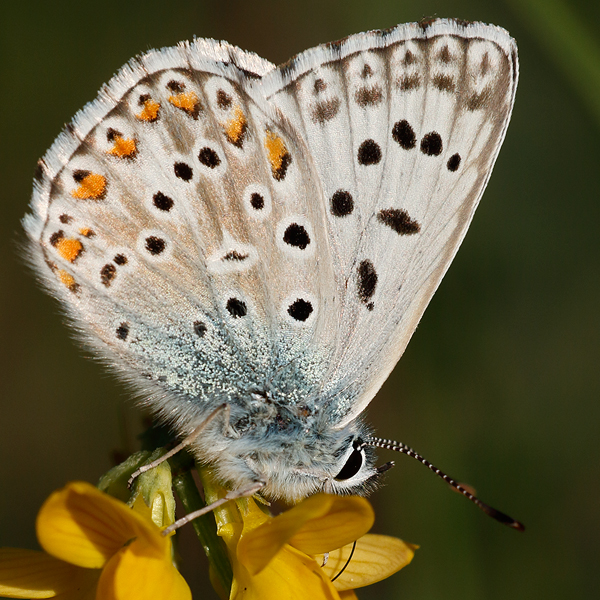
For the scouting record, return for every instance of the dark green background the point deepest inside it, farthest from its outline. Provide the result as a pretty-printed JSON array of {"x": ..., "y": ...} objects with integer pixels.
[{"x": 500, "y": 385}]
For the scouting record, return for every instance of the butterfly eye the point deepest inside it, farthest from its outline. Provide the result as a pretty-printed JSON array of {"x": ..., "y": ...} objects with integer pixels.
[{"x": 353, "y": 464}]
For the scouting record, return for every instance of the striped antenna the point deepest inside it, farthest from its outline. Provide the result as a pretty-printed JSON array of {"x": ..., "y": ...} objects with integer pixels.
[{"x": 404, "y": 449}]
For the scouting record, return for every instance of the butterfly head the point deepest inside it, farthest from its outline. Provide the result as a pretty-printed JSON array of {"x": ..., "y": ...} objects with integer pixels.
[
  {"x": 338, "y": 462},
  {"x": 295, "y": 457}
]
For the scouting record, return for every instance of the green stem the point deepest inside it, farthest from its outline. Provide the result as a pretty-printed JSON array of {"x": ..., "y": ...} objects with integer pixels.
[{"x": 204, "y": 526}]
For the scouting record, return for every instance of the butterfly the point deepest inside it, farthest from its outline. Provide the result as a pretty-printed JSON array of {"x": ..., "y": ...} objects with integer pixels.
[{"x": 252, "y": 246}]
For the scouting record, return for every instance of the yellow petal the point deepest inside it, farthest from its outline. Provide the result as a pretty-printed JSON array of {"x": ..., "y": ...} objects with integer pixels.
[
  {"x": 32, "y": 574},
  {"x": 375, "y": 558},
  {"x": 132, "y": 574},
  {"x": 83, "y": 526},
  {"x": 252, "y": 512},
  {"x": 318, "y": 524},
  {"x": 291, "y": 575},
  {"x": 347, "y": 519},
  {"x": 83, "y": 593},
  {"x": 233, "y": 517},
  {"x": 348, "y": 595},
  {"x": 258, "y": 546}
]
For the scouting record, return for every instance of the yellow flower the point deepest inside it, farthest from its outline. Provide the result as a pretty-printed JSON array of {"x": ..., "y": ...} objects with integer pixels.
[
  {"x": 283, "y": 557},
  {"x": 96, "y": 547}
]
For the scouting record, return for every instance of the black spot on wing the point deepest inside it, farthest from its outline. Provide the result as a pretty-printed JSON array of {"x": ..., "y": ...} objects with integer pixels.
[
  {"x": 155, "y": 245},
  {"x": 209, "y": 158},
  {"x": 453, "y": 162},
  {"x": 236, "y": 308},
  {"x": 300, "y": 309},
  {"x": 183, "y": 171},
  {"x": 176, "y": 86},
  {"x": 297, "y": 236},
  {"x": 369, "y": 153},
  {"x": 431, "y": 144},
  {"x": 199, "y": 328},
  {"x": 341, "y": 203},
  {"x": 257, "y": 201},
  {"x": 162, "y": 202},
  {"x": 122, "y": 331},
  {"x": 234, "y": 255},
  {"x": 56, "y": 237},
  {"x": 398, "y": 220},
  {"x": 367, "y": 280},
  {"x": 79, "y": 175},
  {"x": 404, "y": 134},
  {"x": 107, "y": 274}
]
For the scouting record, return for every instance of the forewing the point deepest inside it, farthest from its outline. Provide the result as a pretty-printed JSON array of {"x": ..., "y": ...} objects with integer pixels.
[
  {"x": 178, "y": 218},
  {"x": 404, "y": 127}
]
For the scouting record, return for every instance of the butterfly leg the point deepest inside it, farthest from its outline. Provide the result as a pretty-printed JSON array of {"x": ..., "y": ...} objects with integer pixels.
[
  {"x": 232, "y": 495},
  {"x": 190, "y": 439}
]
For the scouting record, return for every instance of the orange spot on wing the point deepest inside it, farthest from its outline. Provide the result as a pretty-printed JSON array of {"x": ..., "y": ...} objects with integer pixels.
[
  {"x": 68, "y": 280},
  {"x": 86, "y": 232},
  {"x": 278, "y": 155},
  {"x": 150, "y": 111},
  {"x": 276, "y": 149},
  {"x": 123, "y": 148},
  {"x": 235, "y": 129},
  {"x": 69, "y": 248},
  {"x": 186, "y": 101},
  {"x": 91, "y": 187}
]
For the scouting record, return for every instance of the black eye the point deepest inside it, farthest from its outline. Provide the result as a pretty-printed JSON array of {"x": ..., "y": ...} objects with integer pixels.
[{"x": 352, "y": 466}]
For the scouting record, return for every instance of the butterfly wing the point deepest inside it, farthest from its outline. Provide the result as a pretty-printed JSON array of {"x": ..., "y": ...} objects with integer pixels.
[
  {"x": 404, "y": 127},
  {"x": 178, "y": 219},
  {"x": 217, "y": 227}
]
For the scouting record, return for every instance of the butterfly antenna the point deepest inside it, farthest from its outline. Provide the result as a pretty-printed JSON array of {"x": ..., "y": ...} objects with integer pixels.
[
  {"x": 347, "y": 562},
  {"x": 404, "y": 449}
]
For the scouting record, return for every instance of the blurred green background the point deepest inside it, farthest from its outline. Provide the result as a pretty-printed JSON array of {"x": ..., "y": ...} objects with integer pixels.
[{"x": 500, "y": 386}]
